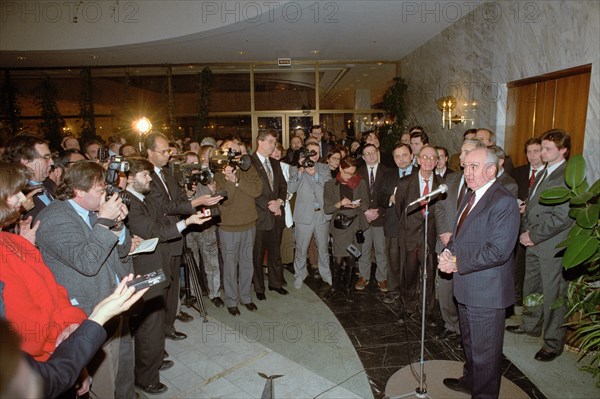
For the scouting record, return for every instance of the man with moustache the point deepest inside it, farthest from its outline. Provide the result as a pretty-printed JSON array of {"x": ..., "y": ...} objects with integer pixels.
[{"x": 147, "y": 221}]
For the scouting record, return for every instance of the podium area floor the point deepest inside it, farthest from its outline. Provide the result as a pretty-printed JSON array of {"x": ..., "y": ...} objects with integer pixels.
[{"x": 334, "y": 349}]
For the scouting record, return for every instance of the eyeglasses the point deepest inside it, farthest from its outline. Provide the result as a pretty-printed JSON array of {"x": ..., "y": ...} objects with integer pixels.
[
  {"x": 426, "y": 158},
  {"x": 348, "y": 173},
  {"x": 46, "y": 157},
  {"x": 370, "y": 153},
  {"x": 335, "y": 158}
]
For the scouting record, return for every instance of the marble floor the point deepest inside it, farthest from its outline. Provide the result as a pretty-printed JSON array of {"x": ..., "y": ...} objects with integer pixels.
[{"x": 332, "y": 349}]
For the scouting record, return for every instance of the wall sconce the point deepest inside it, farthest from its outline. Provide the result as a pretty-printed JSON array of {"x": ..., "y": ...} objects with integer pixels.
[{"x": 447, "y": 105}]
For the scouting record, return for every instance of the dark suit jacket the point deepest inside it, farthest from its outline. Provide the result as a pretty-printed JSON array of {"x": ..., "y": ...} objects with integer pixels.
[
  {"x": 508, "y": 182},
  {"x": 484, "y": 250},
  {"x": 266, "y": 219},
  {"x": 60, "y": 372},
  {"x": 363, "y": 171},
  {"x": 521, "y": 176},
  {"x": 391, "y": 179},
  {"x": 147, "y": 221},
  {"x": 177, "y": 205},
  {"x": 413, "y": 224},
  {"x": 446, "y": 210}
]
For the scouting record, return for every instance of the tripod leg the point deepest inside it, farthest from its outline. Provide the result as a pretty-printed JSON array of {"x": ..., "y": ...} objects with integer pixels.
[{"x": 195, "y": 281}]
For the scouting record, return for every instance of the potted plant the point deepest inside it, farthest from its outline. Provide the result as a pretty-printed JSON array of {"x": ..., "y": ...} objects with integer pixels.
[{"x": 582, "y": 251}]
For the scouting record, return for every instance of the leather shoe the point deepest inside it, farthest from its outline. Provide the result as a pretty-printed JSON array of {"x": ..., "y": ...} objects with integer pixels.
[
  {"x": 546, "y": 356},
  {"x": 446, "y": 334},
  {"x": 250, "y": 306},
  {"x": 518, "y": 330},
  {"x": 260, "y": 296},
  {"x": 218, "y": 302},
  {"x": 456, "y": 385},
  {"x": 176, "y": 336},
  {"x": 165, "y": 355},
  {"x": 234, "y": 311},
  {"x": 166, "y": 364},
  {"x": 184, "y": 317},
  {"x": 281, "y": 291},
  {"x": 155, "y": 388}
]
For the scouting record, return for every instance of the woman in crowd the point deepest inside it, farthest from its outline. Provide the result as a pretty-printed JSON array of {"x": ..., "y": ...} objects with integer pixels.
[
  {"x": 346, "y": 198},
  {"x": 333, "y": 161}
]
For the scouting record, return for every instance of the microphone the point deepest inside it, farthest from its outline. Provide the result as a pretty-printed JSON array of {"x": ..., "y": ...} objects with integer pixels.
[{"x": 440, "y": 190}]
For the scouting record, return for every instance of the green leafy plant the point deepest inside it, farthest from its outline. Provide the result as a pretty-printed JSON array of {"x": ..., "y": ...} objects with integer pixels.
[
  {"x": 393, "y": 104},
  {"x": 583, "y": 250}
]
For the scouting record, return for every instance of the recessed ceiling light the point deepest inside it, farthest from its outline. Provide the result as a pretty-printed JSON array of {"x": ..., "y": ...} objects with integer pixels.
[
  {"x": 191, "y": 66},
  {"x": 21, "y": 58},
  {"x": 241, "y": 52},
  {"x": 93, "y": 57},
  {"x": 314, "y": 52}
]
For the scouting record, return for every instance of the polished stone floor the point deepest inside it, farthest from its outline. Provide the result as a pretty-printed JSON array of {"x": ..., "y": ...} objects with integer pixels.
[
  {"x": 385, "y": 345},
  {"x": 334, "y": 350}
]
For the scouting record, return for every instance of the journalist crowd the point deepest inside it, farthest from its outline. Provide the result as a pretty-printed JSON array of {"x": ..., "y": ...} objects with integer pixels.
[{"x": 466, "y": 228}]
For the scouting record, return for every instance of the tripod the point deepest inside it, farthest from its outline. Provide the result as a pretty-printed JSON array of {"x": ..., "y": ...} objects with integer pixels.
[
  {"x": 192, "y": 278},
  {"x": 420, "y": 391}
]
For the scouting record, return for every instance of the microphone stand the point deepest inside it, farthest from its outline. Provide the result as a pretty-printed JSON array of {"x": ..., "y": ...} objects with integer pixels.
[{"x": 420, "y": 391}]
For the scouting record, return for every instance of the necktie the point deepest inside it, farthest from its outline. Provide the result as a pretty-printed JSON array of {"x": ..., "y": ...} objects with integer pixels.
[
  {"x": 544, "y": 175},
  {"x": 162, "y": 180},
  {"x": 371, "y": 179},
  {"x": 463, "y": 216},
  {"x": 402, "y": 173},
  {"x": 269, "y": 172},
  {"x": 93, "y": 217},
  {"x": 532, "y": 177},
  {"x": 425, "y": 192},
  {"x": 461, "y": 195}
]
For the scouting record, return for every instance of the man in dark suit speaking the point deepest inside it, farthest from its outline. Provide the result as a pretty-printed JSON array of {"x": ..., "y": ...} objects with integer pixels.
[{"x": 480, "y": 253}]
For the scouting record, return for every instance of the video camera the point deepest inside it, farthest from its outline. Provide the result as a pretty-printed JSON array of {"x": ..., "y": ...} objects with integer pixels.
[
  {"x": 219, "y": 159},
  {"x": 306, "y": 154},
  {"x": 116, "y": 165},
  {"x": 188, "y": 174}
]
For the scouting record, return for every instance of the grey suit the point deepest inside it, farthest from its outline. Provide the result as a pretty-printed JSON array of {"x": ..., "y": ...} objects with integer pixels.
[
  {"x": 547, "y": 225},
  {"x": 89, "y": 262},
  {"x": 310, "y": 218},
  {"x": 483, "y": 285}
]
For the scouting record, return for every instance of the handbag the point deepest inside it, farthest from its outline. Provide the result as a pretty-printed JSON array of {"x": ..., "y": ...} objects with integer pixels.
[{"x": 342, "y": 221}]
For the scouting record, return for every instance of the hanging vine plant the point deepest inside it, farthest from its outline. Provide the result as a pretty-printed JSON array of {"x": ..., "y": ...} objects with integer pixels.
[{"x": 205, "y": 84}]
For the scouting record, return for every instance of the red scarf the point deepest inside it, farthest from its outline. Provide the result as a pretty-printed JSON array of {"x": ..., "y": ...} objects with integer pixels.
[{"x": 351, "y": 182}]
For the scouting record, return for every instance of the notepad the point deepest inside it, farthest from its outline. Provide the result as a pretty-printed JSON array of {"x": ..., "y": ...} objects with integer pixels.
[{"x": 148, "y": 245}]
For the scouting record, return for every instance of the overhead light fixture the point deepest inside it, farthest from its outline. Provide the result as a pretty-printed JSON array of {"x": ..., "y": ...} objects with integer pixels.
[{"x": 21, "y": 58}]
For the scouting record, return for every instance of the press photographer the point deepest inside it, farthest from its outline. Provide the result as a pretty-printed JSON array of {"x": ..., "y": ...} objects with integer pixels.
[
  {"x": 202, "y": 240},
  {"x": 237, "y": 228}
]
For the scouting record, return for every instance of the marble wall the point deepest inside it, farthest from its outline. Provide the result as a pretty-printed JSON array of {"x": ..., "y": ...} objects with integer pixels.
[{"x": 496, "y": 43}]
